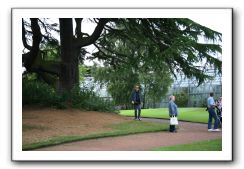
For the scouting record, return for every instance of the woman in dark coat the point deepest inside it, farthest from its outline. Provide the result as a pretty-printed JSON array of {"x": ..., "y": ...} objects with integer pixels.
[{"x": 136, "y": 101}]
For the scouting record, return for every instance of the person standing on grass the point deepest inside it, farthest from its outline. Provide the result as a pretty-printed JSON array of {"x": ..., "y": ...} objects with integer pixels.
[
  {"x": 212, "y": 113},
  {"x": 136, "y": 101},
  {"x": 173, "y": 111}
]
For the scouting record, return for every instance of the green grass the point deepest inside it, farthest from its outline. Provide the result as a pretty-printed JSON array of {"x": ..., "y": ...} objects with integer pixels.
[
  {"x": 125, "y": 128},
  {"x": 209, "y": 145},
  {"x": 186, "y": 114}
]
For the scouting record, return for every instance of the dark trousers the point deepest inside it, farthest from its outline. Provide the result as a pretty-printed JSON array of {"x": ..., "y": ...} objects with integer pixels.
[
  {"x": 212, "y": 115},
  {"x": 172, "y": 128},
  {"x": 137, "y": 108}
]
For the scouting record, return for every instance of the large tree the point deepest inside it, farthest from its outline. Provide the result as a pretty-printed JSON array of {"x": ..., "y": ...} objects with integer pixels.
[
  {"x": 121, "y": 76},
  {"x": 173, "y": 43},
  {"x": 155, "y": 85},
  {"x": 64, "y": 74},
  {"x": 121, "y": 81}
]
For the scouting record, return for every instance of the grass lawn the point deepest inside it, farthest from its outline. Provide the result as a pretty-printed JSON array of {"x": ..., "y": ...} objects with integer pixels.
[
  {"x": 187, "y": 114},
  {"x": 210, "y": 145},
  {"x": 124, "y": 128}
]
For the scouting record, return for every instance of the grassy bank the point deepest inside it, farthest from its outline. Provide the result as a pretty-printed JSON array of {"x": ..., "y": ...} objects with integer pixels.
[
  {"x": 209, "y": 145},
  {"x": 125, "y": 128},
  {"x": 187, "y": 114}
]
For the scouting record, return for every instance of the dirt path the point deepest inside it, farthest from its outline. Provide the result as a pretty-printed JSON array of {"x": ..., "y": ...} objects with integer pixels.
[{"x": 187, "y": 133}]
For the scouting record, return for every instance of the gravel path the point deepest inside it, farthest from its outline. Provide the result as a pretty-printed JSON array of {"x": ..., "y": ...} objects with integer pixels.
[{"x": 187, "y": 133}]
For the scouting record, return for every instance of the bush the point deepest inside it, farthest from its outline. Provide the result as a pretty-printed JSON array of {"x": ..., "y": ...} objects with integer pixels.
[
  {"x": 85, "y": 98},
  {"x": 182, "y": 99},
  {"x": 36, "y": 92}
]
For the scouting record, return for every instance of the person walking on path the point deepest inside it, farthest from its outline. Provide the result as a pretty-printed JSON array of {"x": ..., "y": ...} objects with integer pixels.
[
  {"x": 212, "y": 113},
  {"x": 173, "y": 111},
  {"x": 136, "y": 101}
]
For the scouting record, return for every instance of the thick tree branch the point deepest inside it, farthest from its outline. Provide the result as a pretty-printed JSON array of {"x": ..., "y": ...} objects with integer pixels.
[
  {"x": 43, "y": 25},
  {"x": 81, "y": 42},
  {"x": 24, "y": 41},
  {"x": 78, "y": 32},
  {"x": 51, "y": 67},
  {"x": 36, "y": 40}
]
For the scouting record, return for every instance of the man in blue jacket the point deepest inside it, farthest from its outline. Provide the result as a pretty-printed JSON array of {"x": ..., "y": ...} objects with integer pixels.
[{"x": 136, "y": 101}]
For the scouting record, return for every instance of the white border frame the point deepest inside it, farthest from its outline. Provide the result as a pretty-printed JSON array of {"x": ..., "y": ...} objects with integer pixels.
[{"x": 19, "y": 155}]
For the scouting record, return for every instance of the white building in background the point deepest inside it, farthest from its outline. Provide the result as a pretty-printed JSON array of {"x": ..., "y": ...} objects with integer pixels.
[{"x": 197, "y": 95}]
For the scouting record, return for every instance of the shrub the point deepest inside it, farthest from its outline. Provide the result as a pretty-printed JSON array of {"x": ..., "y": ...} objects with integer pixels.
[
  {"x": 36, "y": 92},
  {"x": 85, "y": 98},
  {"x": 182, "y": 99}
]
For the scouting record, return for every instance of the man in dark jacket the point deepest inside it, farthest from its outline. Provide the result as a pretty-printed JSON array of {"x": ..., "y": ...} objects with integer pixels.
[{"x": 136, "y": 101}]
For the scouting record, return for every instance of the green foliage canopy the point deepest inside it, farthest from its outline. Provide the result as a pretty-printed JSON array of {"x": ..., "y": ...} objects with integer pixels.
[{"x": 161, "y": 42}]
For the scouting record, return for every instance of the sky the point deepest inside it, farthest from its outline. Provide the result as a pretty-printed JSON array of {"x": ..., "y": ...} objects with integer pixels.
[{"x": 213, "y": 24}]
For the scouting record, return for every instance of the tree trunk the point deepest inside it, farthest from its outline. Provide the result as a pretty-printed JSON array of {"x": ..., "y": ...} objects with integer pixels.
[{"x": 69, "y": 75}]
